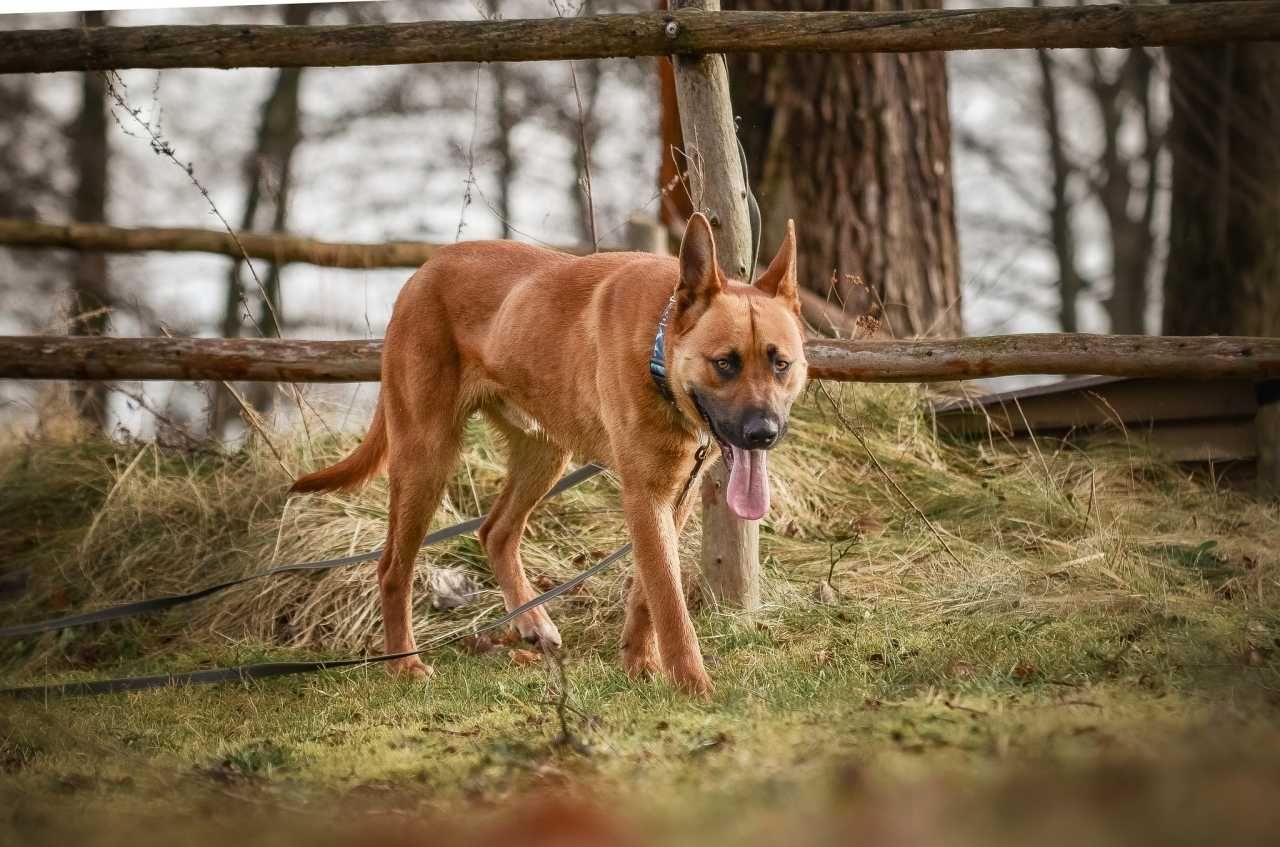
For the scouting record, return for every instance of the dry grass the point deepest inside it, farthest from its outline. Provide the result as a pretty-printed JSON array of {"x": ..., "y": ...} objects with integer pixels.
[
  {"x": 1041, "y": 536},
  {"x": 1103, "y": 605}
]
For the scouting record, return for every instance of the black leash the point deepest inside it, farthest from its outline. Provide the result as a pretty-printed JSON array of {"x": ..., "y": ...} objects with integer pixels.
[
  {"x": 157, "y": 604},
  {"x": 267, "y": 670}
]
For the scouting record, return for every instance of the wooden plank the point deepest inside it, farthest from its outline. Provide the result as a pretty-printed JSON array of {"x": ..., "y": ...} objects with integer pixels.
[
  {"x": 1199, "y": 441},
  {"x": 239, "y": 359},
  {"x": 1135, "y": 403},
  {"x": 642, "y": 34},
  {"x": 940, "y": 360}
]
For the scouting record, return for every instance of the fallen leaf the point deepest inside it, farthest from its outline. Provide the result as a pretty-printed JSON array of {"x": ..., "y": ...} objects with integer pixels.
[
  {"x": 478, "y": 645},
  {"x": 524, "y": 657},
  {"x": 1024, "y": 670}
]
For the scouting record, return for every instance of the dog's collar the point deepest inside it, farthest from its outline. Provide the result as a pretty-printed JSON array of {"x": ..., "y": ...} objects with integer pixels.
[{"x": 658, "y": 355}]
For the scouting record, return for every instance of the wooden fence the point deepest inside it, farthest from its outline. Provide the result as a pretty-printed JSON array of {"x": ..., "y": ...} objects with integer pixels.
[
  {"x": 686, "y": 32},
  {"x": 689, "y": 35},
  {"x": 929, "y": 360}
]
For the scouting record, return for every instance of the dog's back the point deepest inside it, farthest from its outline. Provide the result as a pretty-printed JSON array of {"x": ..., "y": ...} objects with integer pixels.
[{"x": 517, "y": 331}]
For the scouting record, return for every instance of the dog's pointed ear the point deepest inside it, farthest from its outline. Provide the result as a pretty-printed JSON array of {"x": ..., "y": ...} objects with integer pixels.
[
  {"x": 700, "y": 278},
  {"x": 779, "y": 279}
]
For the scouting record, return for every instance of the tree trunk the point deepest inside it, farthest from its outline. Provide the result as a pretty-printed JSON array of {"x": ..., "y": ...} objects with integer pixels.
[
  {"x": 91, "y": 299},
  {"x": 1223, "y": 272},
  {"x": 267, "y": 177},
  {"x": 1061, "y": 230},
  {"x": 1132, "y": 239},
  {"x": 505, "y": 120},
  {"x": 856, "y": 148}
]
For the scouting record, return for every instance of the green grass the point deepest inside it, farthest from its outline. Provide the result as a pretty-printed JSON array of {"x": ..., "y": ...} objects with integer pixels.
[{"x": 1104, "y": 614}]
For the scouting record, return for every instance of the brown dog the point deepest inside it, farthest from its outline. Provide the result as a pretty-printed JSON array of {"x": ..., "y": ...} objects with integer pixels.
[{"x": 555, "y": 351}]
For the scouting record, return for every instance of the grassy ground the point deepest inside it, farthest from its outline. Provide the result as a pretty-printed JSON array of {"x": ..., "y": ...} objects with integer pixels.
[{"x": 1095, "y": 658}]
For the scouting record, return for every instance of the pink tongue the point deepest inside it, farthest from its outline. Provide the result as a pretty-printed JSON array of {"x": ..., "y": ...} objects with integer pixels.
[{"x": 748, "y": 493}]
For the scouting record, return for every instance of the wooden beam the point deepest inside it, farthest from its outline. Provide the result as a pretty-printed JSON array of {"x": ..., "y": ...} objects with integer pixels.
[
  {"x": 274, "y": 247},
  {"x": 231, "y": 359},
  {"x": 1188, "y": 357},
  {"x": 280, "y": 360},
  {"x": 642, "y": 34},
  {"x": 730, "y": 549}
]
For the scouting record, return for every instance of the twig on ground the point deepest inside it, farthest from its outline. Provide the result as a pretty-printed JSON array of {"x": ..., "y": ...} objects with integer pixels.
[
  {"x": 837, "y": 558},
  {"x": 567, "y": 738},
  {"x": 960, "y": 708}
]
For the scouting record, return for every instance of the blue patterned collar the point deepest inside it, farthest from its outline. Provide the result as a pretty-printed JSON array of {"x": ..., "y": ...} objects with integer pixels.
[{"x": 658, "y": 355}]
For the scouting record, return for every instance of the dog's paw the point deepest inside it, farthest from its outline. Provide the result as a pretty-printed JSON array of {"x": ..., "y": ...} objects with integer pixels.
[
  {"x": 693, "y": 682},
  {"x": 640, "y": 663},
  {"x": 535, "y": 627},
  {"x": 411, "y": 668}
]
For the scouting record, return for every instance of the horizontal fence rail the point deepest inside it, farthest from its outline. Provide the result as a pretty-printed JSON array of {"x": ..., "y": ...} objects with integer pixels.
[
  {"x": 280, "y": 248},
  {"x": 274, "y": 247},
  {"x": 277, "y": 360},
  {"x": 642, "y": 34}
]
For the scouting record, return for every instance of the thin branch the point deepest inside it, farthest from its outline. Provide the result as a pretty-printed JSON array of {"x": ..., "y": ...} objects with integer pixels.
[{"x": 888, "y": 477}]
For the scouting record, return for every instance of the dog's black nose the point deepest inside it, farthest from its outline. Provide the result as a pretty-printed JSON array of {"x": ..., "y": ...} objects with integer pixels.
[{"x": 759, "y": 431}]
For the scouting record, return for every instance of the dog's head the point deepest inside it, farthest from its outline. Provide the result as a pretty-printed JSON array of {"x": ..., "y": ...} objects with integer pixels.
[{"x": 735, "y": 358}]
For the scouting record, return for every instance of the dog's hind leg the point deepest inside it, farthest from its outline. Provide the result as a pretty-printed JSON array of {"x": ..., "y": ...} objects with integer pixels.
[
  {"x": 534, "y": 464},
  {"x": 425, "y": 439}
]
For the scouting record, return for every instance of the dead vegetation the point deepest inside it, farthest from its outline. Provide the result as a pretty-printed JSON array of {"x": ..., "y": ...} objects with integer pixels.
[{"x": 1100, "y": 607}]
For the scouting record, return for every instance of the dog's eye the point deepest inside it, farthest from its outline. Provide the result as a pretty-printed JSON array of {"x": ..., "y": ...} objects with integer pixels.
[
  {"x": 724, "y": 366},
  {"x": 781, "y": 365}
]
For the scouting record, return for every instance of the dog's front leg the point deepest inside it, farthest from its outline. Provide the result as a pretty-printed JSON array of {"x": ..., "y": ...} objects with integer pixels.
[
  {"x": 639, "y": 643},
  {"x": 653, "y": 532}
]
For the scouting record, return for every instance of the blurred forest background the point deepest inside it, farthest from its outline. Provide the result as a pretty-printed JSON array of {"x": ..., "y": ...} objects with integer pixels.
[{"x": 1124, "y": 191}]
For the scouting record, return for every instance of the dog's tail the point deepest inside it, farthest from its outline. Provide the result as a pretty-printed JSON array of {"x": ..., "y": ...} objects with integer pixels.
[{"x": 355, "y": 470}]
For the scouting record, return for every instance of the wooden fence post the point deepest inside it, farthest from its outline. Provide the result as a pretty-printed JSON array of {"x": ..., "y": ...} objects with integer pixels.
[{"x": 730, "y": 547}]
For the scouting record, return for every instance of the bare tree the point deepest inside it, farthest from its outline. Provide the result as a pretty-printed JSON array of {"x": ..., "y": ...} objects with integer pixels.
[
  {"x": 34, "y": 163},
  {"x": 1127, "y": 186},
  {"x": 268, "y": 175},
  {"x": 857, "y": 148},
  {"x": 91, "y": 297},
  {"x": 1223, "y": 273},
  {"x": 1062, "y": 234}
]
